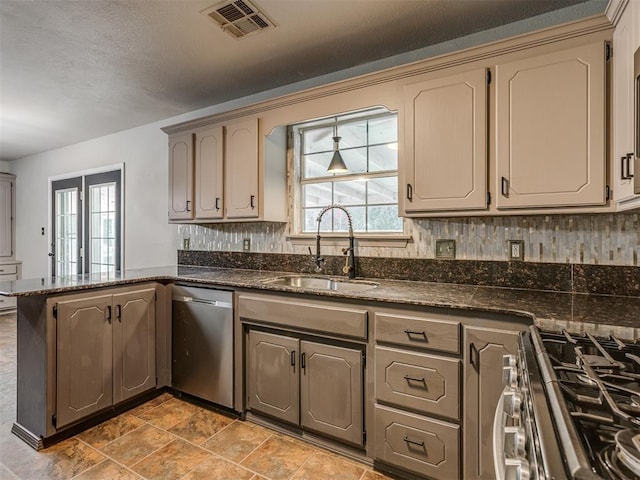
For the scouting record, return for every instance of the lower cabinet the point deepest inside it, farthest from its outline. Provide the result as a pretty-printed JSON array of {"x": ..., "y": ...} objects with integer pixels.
[
  {"x": 105, "y": 351},
  {"x": 314, "y": 385}
]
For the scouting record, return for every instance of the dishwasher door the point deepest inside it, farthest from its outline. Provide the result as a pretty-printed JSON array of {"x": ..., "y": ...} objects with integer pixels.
[{"x": 202, "y": 343}]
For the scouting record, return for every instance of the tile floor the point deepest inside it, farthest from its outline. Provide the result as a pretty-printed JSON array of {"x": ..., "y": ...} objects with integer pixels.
[{"x": 165, "y": 438}]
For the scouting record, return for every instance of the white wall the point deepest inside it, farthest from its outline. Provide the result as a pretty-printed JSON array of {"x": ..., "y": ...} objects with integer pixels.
[
  {"x": 148, "y": 239},
  {"x": 4, "y": 167}
]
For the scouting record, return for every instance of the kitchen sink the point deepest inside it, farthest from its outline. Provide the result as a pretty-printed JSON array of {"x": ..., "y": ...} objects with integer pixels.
[{"x": 322, "y": 283}]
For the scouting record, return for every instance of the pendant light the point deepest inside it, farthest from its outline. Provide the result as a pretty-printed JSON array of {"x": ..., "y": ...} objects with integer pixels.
[{"x": 337, "y": 164}]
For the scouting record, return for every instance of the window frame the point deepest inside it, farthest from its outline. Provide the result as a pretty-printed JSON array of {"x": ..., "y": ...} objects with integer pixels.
[{"x": 298, "y": 182}]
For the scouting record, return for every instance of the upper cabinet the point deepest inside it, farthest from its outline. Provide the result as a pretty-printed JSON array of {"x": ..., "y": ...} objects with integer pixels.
[
  {"x": 445, "y": 143},
  {"x": 224, "y": 172},
  {"x": 7, "y": 208},
  {"x": 550, "y": 130},
  {"x": 626, "y": 152}
]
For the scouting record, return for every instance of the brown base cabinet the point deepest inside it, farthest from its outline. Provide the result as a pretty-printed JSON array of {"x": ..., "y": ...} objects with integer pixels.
[
  {"x": 105, "y": 351},
  {"x": 314, "y": 385}
]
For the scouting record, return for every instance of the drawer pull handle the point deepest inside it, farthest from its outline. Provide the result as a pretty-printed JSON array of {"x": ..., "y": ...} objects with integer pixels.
[
  {"x": 412, "y": 442},
  {"x": 414, "y": 379},
  {"x": 415, "y": 333}
]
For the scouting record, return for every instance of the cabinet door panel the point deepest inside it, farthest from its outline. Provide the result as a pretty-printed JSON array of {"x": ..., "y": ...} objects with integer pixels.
[
  {"x": 242, "y": 169},
  {"x": 84, "y": 358},
  {"x": 273, "y": 375},
  {"x": 331, "y": 391},
  {"x": 6, "y": 217},
  {"x": 134, "y": 331},
  {"x": 181, "y": 177},
  {"x": 209, "y": 173},
  {"x": 551, "y": 130},
  {"x": 446, "y": 142},
  {"x": 483, "y": 387}
]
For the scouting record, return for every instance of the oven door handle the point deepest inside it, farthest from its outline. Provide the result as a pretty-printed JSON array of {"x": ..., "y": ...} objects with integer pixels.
[{"x": 498, "y": 437}]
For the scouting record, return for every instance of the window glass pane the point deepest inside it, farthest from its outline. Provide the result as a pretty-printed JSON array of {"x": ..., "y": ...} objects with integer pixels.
[
  {"x": 66, "y": 241},
  {"x": 316, "y": 165},
  {"x": 383, "y": 157},
  {"x": 384, "y": 219},
  {"x": 353, "y": 134},
  {"x": 383, "y": 130},
  {"x": 382, "y": 190},
  {"x": 355, "y": 159},
  {"x": 317, "y": 195},
  {"x": 358, "y": 217},
  {"x": 350, "y": 192},
  {"x": 318, "y": 140},
  {"x": 102, "y": 224}
]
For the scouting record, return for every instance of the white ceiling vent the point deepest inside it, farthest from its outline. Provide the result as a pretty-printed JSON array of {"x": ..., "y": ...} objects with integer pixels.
[{"x": 238, "y": 18}]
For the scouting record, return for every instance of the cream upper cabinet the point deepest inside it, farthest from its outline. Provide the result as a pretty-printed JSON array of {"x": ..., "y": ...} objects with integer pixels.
[
  {"x": 550, "y": 130},
  {"x": 626, "y": 40},
  {"x": 209, "y": 173},
  {"x": 181, "y": 177},
  {"x": 6, "y": 215},
  {"x": 242, "y": 169},
  {"x": 445, "y": 149}
]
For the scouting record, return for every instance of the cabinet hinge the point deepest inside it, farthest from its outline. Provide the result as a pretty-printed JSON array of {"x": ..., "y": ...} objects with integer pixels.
[
  {"x": 488, "y": 198},
  {"x": 488, "y": 77},
  {"x": 608, "y": 51},
  {"x": 54, "y": 421},
  {"x": 607, "y": 193},
  {"x": 55, "y": 314}
]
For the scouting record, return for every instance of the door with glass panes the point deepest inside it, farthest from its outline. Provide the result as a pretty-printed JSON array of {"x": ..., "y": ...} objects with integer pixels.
[{"x": 86, "y": 224}]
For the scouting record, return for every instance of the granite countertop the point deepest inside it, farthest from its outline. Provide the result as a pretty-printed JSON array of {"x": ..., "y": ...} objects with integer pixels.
[{"x": 575, "y": 312}]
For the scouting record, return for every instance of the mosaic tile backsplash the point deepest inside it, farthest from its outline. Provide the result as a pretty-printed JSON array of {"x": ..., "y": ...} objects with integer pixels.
[{"x": 606, "y": 239}]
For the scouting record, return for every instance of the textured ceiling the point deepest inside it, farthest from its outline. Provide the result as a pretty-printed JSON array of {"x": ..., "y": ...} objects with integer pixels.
[{"x": 71, "y": 70}]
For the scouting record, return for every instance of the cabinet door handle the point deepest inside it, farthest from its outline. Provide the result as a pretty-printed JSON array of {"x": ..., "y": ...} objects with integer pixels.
[
  {"x": 303, "y": 361},
  {"x": 413, "y": 442},
  {"x": 252, "y": 201},
  {"x": 109, "y": 313},
  {"x": 409, "y": 192},
  {"x": 293, "y": 358},
  {"x": 504, "y": 187},
  {"x": 414, "y": 379},
  {"x": 628, "y": 162},
  {"x": 474, "y": 357},
  {"x": 188, "y": 205},
  {"x": 217, "y": 203},
  {"x": 119, "y": 312}
]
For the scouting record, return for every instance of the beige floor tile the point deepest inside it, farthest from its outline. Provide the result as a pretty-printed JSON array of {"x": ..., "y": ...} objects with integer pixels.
[
  {"x": 277, "y": 458},
  {"x": 237, "y": 440},
  {"x": 171, "y": 462},
  {"x": 110, "y": 430},
  {"x": 169, "y": 413},
  {"x": 219, "y": 469},
  {"x": 134, "y": 446},
  {"x": 321, "y": 465},
  {"x": 201, "y": 426},
  {"x": 107, "y": 470}
]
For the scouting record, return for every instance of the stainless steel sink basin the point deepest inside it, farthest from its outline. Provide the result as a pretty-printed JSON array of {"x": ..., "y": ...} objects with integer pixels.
[{"x": 322, "y": 283}]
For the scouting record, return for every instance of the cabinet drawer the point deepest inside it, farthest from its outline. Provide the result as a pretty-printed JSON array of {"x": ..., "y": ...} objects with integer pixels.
[
  {"x": 419, "y": 444},
  {"x": 420, "y": 332},
  {"x": 7, "y": 302},
  {"x": 307, "y": 314},
  {"x": 8, "y": 278},
  {"x": 7, "y": 269},
  {"x": 421, "y": 382}
]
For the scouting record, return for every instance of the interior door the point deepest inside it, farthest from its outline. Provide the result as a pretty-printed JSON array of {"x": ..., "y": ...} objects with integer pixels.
[{"x": 66, "y": 227}]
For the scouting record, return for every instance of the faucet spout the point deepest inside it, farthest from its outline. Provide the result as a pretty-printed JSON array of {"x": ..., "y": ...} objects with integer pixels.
[{"x": 350, "y": 265}]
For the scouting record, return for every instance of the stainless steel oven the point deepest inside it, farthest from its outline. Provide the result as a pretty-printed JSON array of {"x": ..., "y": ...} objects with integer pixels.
[{"x": 570, "y": 409}]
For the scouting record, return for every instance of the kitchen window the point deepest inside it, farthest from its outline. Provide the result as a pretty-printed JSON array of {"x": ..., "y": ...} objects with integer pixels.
[{"x": 369, "y": 189}]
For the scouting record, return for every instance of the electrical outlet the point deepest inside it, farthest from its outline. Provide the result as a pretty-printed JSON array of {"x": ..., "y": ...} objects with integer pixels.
[
  {"x": 516, "y": 250},
  {"x": 246, "y": 244},
  {"x": 186, "y": 243},
  {"x": 445, "y": 249}
]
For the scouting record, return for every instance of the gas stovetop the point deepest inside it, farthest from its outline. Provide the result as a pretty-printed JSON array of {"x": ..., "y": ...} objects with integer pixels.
[{"x": 593, "y": 386}]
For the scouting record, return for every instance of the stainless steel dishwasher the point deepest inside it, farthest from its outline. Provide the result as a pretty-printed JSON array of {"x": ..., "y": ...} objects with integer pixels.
[{"x": 202, "y": 343}]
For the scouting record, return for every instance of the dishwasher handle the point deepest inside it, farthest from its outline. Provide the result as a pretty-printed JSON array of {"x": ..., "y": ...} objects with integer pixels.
[{"x": 213, "y": 303}]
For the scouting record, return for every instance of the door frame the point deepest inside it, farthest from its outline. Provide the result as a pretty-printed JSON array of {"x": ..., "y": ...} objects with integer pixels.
[{"x": 84, "y": 173}]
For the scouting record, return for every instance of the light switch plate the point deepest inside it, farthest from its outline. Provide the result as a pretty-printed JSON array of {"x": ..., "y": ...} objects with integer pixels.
[
  {"x": 446, "y": 249},
  {"x": 516, "y": 250},
  {"x": 186, "y": 243},
  {"x": 246, "y": 244}
]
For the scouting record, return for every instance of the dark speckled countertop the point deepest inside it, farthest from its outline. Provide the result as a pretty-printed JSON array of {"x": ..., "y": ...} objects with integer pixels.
[{"x": 576, "y": 312}]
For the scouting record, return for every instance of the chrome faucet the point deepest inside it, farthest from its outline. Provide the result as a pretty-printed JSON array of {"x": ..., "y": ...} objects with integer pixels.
[{"x": 350, "y": 263}]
